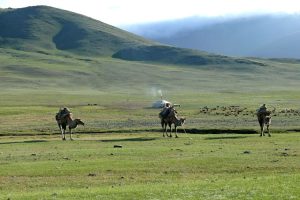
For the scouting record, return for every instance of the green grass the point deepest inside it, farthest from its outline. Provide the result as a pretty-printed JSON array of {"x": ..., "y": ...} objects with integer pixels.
[
  {"x": 113, "y": 97},
  {"x": 24, "y": 72},
  {"x": 199, "y": 166}
]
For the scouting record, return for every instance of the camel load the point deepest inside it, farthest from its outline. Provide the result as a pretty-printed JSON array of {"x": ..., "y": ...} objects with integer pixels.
[
  {"x": 63, "y": 113},
  {"x": 64, "y": 119}
]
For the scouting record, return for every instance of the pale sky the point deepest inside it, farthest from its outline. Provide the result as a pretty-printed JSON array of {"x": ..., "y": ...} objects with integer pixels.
[{"x": 126, "y": 12}]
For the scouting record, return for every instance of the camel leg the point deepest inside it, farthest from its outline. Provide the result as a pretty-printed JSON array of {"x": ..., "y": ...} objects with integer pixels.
[
  {"x": 170, "y": 125},
  {"x": 268, "y": 130},
  {"x": 63, "y": 133},
  {"x": 63, "y": 136},
  {"x": 164, "y": 126},
  {"x": 70, "y": 130},
  {"x": 165, "y": 130},
  {"x": 261, "y": 129},
  {"x": 176, "y": 136}
]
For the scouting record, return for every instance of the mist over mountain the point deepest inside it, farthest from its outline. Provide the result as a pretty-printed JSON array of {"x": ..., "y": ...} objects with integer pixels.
[{"x": 270, "y": 35}]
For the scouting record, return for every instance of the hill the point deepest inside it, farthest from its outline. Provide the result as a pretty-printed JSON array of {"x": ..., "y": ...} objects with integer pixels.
[
  {"x": 53, "y": 31},
  {"x": 259, "y": 36},
  {"x": 52, "y": 52},
  {"x": 42, "y": 28}
]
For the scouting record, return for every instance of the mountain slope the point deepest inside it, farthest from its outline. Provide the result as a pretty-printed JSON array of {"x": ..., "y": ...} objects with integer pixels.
[
  {"x": 29, "y": 72},
  {"x": 181, "y": 56},
  {"x": 53, "y": 31},
  {"x": 46, "y": 28},
  {"x": 45, "y": 50},
  {"x": 243, "y": 36}
]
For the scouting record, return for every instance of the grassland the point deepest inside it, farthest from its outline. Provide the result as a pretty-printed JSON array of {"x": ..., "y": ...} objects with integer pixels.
[
  {"x": 221, "y": 157},
  {"x": 109, "y": 94},
  {"x": 199, "y": 166}
]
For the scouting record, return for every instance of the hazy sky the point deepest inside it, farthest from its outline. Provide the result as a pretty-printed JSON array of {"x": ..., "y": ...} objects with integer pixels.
[{"x": 124, "y": 12}]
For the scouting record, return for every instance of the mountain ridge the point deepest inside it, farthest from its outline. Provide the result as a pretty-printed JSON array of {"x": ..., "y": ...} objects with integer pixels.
[{"x": 247, "y": 36}]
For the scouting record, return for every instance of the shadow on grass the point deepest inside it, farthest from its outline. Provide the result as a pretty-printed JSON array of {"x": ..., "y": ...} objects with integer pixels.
[
  {"x": 23, "y": 134},
  {"x": 122, "y": 131},
  {"x": 225, "y": 137},
  {"x": 151, "y": 130},
  {"x": 180, "y": 130},
  {"x": 221, "y": 131},
  {"x": 27, "y": 141},
  {"x": 139, "y": 139},
  {"x": 293, "y": 130}
]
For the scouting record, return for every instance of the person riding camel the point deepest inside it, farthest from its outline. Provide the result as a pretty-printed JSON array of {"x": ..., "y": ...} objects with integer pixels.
[
  {"x": 262, "y": 110},
  {"x": 165, "y": 111}
]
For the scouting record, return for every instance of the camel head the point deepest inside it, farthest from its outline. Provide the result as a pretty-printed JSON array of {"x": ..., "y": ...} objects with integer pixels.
[
  {"x": 180, "y": 122},
  {"x": 174, "y": 110},
  {"x": 79, "y": 122},
  {"x": 182, "y": 119}
]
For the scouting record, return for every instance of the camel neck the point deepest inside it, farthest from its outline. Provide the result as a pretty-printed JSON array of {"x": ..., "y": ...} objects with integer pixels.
[{"x": 69, "y": 119}]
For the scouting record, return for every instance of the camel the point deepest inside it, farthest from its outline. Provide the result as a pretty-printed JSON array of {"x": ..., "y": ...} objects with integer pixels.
[
  {"x": 65, "y": 121},
  {"x": 264, "y": 120},
  {"x": 170, "y": 119}
]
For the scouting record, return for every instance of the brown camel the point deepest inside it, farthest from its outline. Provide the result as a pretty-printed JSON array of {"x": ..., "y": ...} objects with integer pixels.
[
  {"x": 65, "y": 121},
  {"x": 170, "y": 119},
  {"x": 264, "y": 120}
]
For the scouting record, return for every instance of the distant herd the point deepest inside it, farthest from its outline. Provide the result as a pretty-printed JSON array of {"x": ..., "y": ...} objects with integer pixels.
[{"x": 168, "y": 116}]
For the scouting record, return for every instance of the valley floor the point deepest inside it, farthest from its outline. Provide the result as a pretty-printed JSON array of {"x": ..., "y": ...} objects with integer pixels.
[{"x": 148, "y": 166}]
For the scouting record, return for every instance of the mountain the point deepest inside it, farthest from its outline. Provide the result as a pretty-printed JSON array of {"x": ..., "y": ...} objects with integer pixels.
[
  {"x": 52, "y": 52},
  {"x": 53, "y": 31},
  {"x": 42, "y": 28},
  {"x": 259, "y": 36}
]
